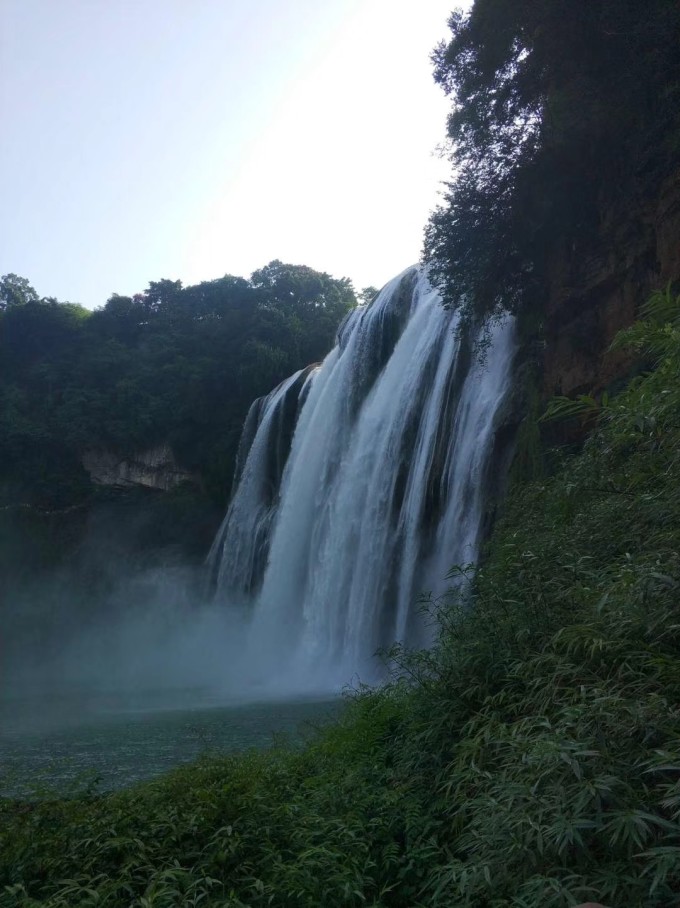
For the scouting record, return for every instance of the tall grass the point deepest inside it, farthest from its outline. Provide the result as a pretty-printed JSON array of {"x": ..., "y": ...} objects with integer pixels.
[{"x": 531, "y": 759}]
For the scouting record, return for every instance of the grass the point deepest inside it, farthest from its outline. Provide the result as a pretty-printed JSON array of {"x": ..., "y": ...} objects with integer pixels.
[{"x": 531, "y": 759}]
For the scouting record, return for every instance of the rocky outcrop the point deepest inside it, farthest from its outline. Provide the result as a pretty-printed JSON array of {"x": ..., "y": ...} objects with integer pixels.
[
  {"x": 155, "y": 468},
  {"x": 596, "y": 290}
]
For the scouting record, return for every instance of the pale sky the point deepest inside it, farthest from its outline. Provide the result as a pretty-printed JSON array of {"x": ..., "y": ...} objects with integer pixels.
[{"x": 149, "y": 139}]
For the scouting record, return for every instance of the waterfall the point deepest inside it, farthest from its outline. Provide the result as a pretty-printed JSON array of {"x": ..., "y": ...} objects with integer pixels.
[{"x": 360, "y": 483}]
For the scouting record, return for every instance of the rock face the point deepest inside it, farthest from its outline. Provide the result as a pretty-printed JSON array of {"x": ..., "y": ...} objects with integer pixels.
[
  {"x": 596, "y": 290},
  {"x": 155, "y": 468}
]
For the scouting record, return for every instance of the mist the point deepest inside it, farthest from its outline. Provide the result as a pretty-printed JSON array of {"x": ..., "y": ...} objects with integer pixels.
[
  {"x": 156, "y": 640},
  {"x": 121, "y": 626}
]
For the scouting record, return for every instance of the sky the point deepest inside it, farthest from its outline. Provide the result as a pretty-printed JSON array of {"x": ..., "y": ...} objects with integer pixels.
[{"x": 188, "y": 139}]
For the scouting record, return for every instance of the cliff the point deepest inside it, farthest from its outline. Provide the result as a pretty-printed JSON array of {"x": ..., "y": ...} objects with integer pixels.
[
  {"x": 155, "y": 468},
  {"x": 596, "y": 287}
]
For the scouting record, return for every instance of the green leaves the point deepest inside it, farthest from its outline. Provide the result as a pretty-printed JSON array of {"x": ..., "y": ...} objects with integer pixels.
[
  {"x": 557, "y": 108},
  {"x": 583, "y": 407},
  {"x": 657, "y": 332},
  {"x": 178, "y": 365}
]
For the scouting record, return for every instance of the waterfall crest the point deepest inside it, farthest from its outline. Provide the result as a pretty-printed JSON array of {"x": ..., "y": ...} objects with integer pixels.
[{"x": 361, "y": 482}]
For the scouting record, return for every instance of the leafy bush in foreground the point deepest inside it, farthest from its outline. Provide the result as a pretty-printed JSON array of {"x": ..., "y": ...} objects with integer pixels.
[{"x": 532, "y": 759}]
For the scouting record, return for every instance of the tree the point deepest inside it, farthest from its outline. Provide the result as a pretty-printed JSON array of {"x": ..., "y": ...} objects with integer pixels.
[
  {"x": 15, "y": 291},
  {"x": 368, "y": 294},
  {"x": 558, "y": 105},
  {"x": 312, "y": 303}
]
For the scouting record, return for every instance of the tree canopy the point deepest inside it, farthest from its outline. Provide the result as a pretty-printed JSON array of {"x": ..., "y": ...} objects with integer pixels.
[
  {"x": 559, "y": 105},
  {"x": 176, "y": 364}
]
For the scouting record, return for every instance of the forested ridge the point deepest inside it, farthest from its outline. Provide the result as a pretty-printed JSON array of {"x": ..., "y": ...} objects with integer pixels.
[{"x": 176, "y": 365}]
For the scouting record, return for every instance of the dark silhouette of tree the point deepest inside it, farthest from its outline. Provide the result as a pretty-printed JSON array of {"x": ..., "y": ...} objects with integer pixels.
[{"x": 559, "y": 105}]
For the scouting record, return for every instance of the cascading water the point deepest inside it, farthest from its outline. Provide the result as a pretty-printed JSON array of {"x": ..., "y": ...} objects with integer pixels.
[{"x": 361, "y": 483}]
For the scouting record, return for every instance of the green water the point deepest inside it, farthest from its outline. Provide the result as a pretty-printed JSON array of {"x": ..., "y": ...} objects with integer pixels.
[{"x": 66, "y": 744}]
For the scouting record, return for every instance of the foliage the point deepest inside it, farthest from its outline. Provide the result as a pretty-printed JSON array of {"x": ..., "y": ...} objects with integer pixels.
[
  {"x": 584, "y": 406},
  {"x": 559, "y": 107},
  {"x": 368, "y": 294},
  {"x": 174, "y": 364},
  {"x": 531, "y": 759},
  {"x": 15, "y": 291},
  {"x": 657, "y": 332}
]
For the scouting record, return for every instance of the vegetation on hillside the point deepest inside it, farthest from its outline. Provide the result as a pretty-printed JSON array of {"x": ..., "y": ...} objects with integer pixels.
[
  {"x": 173, "y": 364},
  {"x": 560, "y": 108},
  {"x": 531, "y": 759}
]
